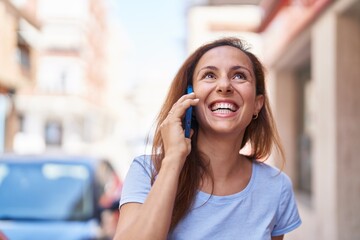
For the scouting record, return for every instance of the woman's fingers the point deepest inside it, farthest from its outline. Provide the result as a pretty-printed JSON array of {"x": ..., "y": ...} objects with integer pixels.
[
  {"x": 171, "y": 129},
  {"x": 179, "y": 108}
]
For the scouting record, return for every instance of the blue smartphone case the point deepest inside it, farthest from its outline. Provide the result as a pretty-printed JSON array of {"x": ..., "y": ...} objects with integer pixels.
[{"x": 188, "y": 115}]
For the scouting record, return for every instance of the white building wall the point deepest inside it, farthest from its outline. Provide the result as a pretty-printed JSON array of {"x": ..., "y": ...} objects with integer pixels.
[
  {"x": 205, "y": 24},
  {"x": 70, "y": 85},
  {"x": 347, "y": 124},
  {"x": 325, "y": 144},
  {"x": 332, "y": 210}
]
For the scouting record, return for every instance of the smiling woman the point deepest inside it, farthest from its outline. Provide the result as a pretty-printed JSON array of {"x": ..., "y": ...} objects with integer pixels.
[
  {"x": 203, "y": 187},
  {"x": 225, "y": 84}
]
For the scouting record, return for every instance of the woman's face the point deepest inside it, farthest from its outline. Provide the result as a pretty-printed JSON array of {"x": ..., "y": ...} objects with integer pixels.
[{"x": 224, "y": 82}]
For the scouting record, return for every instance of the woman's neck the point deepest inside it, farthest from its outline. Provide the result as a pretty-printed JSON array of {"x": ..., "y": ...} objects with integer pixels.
[
  {"x": 230, "y": 171},
  {"x": 222, "y": 151}
]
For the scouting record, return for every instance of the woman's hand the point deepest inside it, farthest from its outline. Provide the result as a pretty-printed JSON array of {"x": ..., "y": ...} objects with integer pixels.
[
  {"x": 151, "y": 220},
  {"x": 172, "y": 132}
]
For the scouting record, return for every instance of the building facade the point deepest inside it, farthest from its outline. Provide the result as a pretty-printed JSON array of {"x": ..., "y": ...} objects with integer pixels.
[
  {"x": 312, "y": 49},
  {"x": 19, "y": 33},
  {"x": 65, "y": 108}
]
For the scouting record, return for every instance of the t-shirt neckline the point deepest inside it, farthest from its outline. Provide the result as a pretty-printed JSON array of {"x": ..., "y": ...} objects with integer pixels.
[{"x": 215, "y": 198}]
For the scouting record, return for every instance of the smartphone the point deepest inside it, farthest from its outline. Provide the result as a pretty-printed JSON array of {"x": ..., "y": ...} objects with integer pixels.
[{"x": 188, "y": 115}]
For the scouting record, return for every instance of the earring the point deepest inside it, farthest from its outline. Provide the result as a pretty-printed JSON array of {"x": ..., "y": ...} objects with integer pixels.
[{"x": 255, "y": 116}]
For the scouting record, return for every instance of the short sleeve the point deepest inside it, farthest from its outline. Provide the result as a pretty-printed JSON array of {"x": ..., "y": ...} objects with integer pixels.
[
  {"x": 137, "y": 182},
  {"x": 287, "y": 215}
]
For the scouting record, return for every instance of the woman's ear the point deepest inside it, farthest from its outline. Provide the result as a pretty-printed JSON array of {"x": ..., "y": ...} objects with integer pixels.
[{"x": 259, "y": 102}]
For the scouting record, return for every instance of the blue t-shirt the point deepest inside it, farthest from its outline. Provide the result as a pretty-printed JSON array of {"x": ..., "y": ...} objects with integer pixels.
[{"x": 265, "y": 208}]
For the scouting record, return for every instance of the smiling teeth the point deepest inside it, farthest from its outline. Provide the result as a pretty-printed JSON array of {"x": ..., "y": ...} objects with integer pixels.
[{"x": 223, "y": 107}]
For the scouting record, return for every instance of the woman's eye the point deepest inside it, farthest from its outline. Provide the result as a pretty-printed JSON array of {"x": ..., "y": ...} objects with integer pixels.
[
  {"x": 209, "y": 75},
  {"x": 239, "y": 76}
]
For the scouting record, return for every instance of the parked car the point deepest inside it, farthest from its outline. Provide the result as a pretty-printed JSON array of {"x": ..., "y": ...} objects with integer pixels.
[{"x": 57, "y": 197}]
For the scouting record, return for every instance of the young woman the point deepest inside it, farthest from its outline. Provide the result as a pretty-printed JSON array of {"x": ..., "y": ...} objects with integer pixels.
[{"x": 202, "y": 187}]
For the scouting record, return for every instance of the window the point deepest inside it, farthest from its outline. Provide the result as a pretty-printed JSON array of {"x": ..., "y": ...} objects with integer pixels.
[
  {"x": 53, "y": 133},
  {"x": 21, "y": 121},
  {"x": 43, "y": 184},
  {"x": 305, "y": 128},
  {"x": 23, "y": 56}
]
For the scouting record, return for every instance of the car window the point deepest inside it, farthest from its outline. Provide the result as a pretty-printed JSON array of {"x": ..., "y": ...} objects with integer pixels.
[{"x": 29, "y": 191}]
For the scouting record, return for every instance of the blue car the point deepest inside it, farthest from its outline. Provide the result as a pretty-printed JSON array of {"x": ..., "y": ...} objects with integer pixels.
[{"x": 57, "y": 197}]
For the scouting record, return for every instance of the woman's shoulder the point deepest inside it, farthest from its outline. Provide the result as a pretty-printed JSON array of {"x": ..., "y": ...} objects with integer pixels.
[
  {"x": 267, "y": 172},
  {"x": 142, "y": 162}
]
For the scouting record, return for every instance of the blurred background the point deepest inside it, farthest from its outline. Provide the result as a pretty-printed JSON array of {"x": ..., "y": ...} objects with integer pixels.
[{"x": 88, "y": 77}]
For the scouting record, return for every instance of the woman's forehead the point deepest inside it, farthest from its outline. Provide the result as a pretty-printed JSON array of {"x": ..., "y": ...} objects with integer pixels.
[{"x": 224, "y": 55}]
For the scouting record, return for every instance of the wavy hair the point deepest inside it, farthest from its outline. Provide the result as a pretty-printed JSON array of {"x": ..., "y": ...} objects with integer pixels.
[{"x": 261, "y": 133}]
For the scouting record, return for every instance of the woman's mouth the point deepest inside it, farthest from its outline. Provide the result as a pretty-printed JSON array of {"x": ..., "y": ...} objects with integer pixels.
[{"x": 223, "y": 107}]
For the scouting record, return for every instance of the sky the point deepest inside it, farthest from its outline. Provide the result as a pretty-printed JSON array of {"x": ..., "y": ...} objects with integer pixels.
[
  {"x": 153, "y": 38},
  {"x": 156, "y": 34}
]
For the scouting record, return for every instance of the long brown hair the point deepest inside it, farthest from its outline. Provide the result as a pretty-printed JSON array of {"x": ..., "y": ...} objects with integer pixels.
[{"x": 261, "y": 133}]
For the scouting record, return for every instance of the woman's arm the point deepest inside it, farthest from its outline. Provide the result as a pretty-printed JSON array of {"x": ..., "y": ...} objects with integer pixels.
[{"x": 152, "y": 219}]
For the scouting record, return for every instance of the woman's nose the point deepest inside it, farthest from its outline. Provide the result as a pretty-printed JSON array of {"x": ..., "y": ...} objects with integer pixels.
[{"x": 224, "y": 86}]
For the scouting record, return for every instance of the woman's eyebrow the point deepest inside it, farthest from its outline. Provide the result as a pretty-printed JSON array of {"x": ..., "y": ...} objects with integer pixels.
[
  {"x": 241, "y": 67},
  {"x": 231, "y": 69},
  {"x": 207, "y": 67}
]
